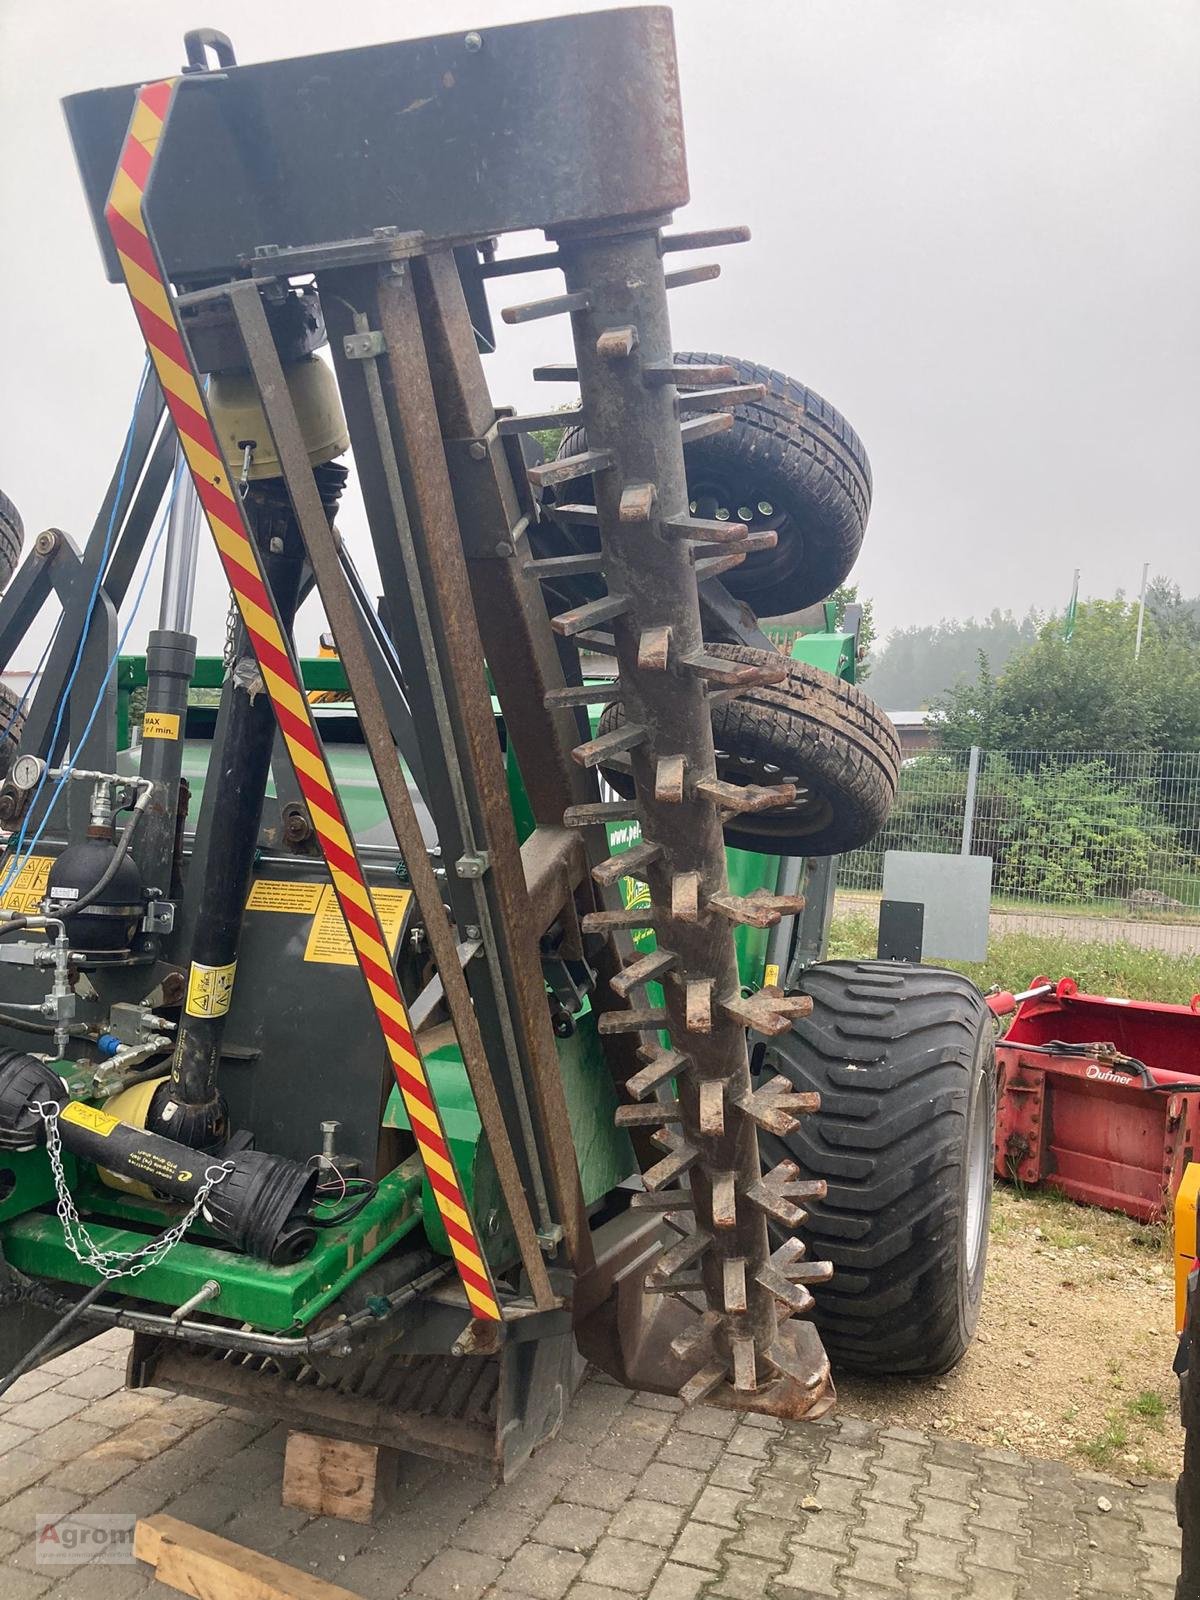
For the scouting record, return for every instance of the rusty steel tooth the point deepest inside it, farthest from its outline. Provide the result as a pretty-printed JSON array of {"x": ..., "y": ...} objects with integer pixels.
[
  {"x": 602, "y": 644},
  {"x": 679, "y": 1256},
  {"x": 583, "y": 694},
  {"x": 637, "y": 502},
  {"x": 668, "y": 779},
  {"x": 646, "y": 969},
  {"x": 649, "y": 1115},
  {"x": 617, "y": 921},
  {"x": 627, "y": 737},
  {"x": 657, "y": 373},
  {"x": 685, "y": 896},
  {"x": 712, "y": 1107},
  {"x": 673, "y": 1165},
  {"x": 698, "y": 1004},
  {"x": 762, "y": 909},
  {"x": 767, "y": 540},
  {"x": 578, "y": 466},
  {"x": 556, "y": 305},
  {"x": 581, "y": 618},
  {"x": 663, "y": 1200},
  {"x": 556, "y": 372},
  {"x": 695, "y": 1342},
  {"x": 654, "y": 650},
  {"x": 700, "y": 427},
  {"x": 789, "y": 1262},
  {"x": 733, "y": 1283},
  {"x": 614, "y": 344},
  {"x": 777, "y": 1107},
  {"x": 766, "y": 1011},
  {"x": 535, "y": 421},
  {"x": 714, "y": 566},
  {"x": 595, "y": 812},
  {"x": 776, "y": 1191},
  {"x": 793, "y": 1295},
  {"x": 547, "y": 567},
  {"x": 660, "y": 1065},
  {"x": 681, "y": 1283},
  {"x": 724, "y": 1199},
  {"x": 701, "y": 1384},
  {"x": 584, "y": 516},
  {"x": 701, "y": 274},
  {"x": 730, "y": 394},
  {"x": 637, "y": 1019},
  {"x": 745, "y": 1365},
  {"x": 514, "y": 266},
  {"x": 743, "y": 797},
  {"x": 702, "y": 239},
  {"x": 627, "y": 864},
  {"x": 704, "y": 528},
  {"x": 744, "y": 674},
  {"x": 764, "y": 677}
]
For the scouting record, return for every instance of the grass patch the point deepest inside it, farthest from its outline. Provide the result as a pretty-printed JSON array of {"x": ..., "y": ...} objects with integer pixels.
[
  {"x": 1103, "y": 1450},
  {"x": 1014, "y": 959},
  {"x": 1149, "y": 1405}
]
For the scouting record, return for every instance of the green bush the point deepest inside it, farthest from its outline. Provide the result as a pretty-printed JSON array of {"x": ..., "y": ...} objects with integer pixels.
[
  {"x": 1062, "y": 831},
  {"x": 1069, "y": 833}
]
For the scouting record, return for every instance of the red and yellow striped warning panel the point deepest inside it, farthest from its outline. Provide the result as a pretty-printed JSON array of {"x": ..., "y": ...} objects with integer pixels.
[{"x": 155, "y": 309}]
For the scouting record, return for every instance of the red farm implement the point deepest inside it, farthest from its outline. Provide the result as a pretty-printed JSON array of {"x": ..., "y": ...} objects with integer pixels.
[{"x": 1090, "y": 1096}]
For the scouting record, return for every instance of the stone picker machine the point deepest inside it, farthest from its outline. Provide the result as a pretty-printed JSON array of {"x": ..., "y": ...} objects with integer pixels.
[{"x": 377, "y": 1060}]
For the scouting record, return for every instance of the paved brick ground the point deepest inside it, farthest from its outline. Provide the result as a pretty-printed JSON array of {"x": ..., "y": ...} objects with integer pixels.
[{"x": 635, "y": 1498}]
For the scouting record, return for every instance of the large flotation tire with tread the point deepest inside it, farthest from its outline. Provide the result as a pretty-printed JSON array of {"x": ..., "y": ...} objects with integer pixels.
[
  {"x": 813, "y": 729},
  {"x": 791, "y": 463},
  {"x": 12, "y": 536},
  {"x": 903, "y": 1058},
  {"x": 12, "y": 721}
]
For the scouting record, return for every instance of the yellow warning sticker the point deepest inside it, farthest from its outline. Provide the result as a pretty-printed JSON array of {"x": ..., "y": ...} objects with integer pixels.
[
  {"x": 160, "y": 725},
  {"x": 90, "y": 1117},
  {"x": 770, "y": 975},
  {"x": 28, "y": 888},
  {"x": 329, "y": 938},
  {"x": 210, "y": 989},
  {"x": 302, "y": 899}
]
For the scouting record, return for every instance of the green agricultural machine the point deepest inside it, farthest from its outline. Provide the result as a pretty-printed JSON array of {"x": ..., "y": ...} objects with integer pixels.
[{"x": 388, "y": 1035}]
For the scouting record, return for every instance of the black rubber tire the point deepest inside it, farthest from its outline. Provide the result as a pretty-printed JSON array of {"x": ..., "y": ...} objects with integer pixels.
[
  {"x": 791, "y": 451},
  {"x": 814, "y": 728},
  {"x": 12, "y": 721},
  {"x": 12, "y": 536},
  {"x": 904, "y": 1060}
]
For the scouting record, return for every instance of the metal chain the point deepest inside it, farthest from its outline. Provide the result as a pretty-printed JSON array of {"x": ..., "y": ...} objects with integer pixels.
[
  {"x": 233, "y": 622},
  {"x": 114, "y": 1263}
]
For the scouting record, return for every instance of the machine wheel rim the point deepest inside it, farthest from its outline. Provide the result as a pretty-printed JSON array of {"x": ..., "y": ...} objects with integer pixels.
[{"x": 979, "y": 1182}]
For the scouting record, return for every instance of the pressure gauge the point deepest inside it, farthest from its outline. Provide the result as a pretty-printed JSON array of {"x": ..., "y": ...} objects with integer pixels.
[{"x": 27, "y": 772}]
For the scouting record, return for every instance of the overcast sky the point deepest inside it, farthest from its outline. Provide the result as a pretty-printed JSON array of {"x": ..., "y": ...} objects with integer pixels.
[{"x": 976, "y": 230}]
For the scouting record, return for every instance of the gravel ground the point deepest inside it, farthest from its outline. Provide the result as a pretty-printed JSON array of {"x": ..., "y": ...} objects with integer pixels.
[{"x": 1075, "y": 1345}]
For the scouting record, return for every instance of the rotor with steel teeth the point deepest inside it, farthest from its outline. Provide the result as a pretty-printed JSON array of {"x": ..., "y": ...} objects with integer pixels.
[{"x": 640, "y": 408}]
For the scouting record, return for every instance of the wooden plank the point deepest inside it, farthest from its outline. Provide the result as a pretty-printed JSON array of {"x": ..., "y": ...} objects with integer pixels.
[
  {"x": 211, "y": 1568},
  {"x": 336, "y": 1477}
]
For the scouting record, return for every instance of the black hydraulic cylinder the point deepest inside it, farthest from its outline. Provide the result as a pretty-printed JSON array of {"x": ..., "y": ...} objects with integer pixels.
[
  {"x": 189, "y": 1105},
  {"x": 170, "y": 661}
]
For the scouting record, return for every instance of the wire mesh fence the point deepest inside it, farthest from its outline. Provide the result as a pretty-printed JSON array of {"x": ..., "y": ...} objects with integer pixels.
[{"x": 1111, "y": 837}]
